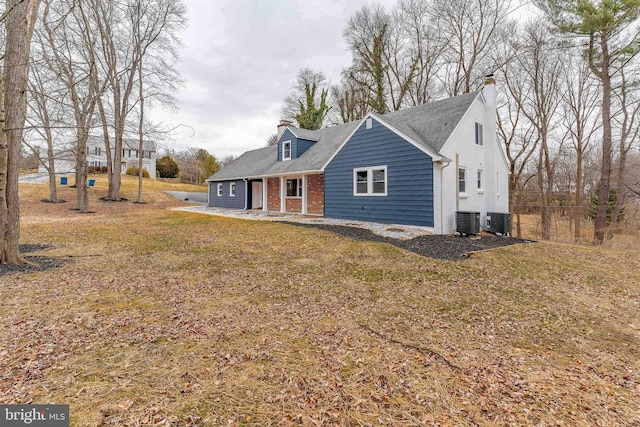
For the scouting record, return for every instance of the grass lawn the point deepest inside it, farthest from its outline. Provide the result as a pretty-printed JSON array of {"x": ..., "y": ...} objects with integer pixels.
[{"x": 160, "y": 317}]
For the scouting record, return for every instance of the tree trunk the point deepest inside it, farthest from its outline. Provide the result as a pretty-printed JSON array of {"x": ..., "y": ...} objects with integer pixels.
[
  {"x": 51, "y": 170},
  {"x": 578, "y": 212},
  {"x": 544, "y": 188},
  {"x": 51, "y": 167},
  {"x": 19, "y": 29},
  {"x": 140, "y": 130},
  {"x": 605, "y": 170},
  {"x": 81, "y": 171}
]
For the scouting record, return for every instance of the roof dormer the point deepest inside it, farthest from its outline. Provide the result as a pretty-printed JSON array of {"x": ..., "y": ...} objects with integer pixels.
[{"x": 294, "y": 142}]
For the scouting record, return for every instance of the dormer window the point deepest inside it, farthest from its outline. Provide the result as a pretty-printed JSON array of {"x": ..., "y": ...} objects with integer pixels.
[{"x": 286, "y": 150}]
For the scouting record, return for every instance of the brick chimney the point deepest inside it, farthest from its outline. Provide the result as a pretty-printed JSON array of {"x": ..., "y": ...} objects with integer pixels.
[
  {"x": 489, "y": 90},
  {"x": 283, "y": 126}
]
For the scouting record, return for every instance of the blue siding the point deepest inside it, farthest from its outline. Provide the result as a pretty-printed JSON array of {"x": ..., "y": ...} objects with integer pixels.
[
  {"x": 287, "y": 136},
  {"x": 227, "y": 201},
  {"x": 298, "y": 146},
  {"x": 409, "y": 198},
  {"x": 302, "y": 145}
]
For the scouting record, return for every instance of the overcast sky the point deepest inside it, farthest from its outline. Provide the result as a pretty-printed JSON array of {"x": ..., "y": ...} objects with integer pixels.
[{"x": 239, "y": 60}]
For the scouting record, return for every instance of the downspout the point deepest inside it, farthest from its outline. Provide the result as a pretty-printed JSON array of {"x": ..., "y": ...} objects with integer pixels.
[
  {"x": 457, "y": 179},
  {"x": 246, "y": 193},
  {"x": 444, "y": 165}
]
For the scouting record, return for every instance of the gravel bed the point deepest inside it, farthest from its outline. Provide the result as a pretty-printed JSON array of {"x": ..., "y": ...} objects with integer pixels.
[
  {"x": 41, "y": 263},
  {"x": 452, "y": 248}
]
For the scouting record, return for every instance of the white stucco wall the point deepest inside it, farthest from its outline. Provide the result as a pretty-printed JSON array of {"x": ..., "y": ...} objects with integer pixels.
[{"x": 463, "y": 151}]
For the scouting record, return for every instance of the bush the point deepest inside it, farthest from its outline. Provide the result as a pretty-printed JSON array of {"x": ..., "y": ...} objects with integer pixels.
[
  {"x": 134, "y": 172},
  {"x": 166, "y": 167}
]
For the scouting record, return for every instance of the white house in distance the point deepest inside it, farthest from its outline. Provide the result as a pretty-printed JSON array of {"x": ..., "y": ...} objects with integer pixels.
[
  {"x": 418, "y": 166},
  {"x": 65, "y": 161}
]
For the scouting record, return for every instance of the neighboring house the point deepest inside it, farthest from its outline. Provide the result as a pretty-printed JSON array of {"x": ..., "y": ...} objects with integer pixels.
[
  {"x": 65, "y": 160},
  {"x": 416, "y": 166}
]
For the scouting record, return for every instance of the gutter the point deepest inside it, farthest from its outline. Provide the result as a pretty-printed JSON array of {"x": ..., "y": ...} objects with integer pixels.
[
  {"x": 246, "y": 193},
  {"x": 444, "y": 163}
]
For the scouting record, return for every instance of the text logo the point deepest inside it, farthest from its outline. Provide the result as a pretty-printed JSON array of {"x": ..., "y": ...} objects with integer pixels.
[{"x": 34, "y": 415}]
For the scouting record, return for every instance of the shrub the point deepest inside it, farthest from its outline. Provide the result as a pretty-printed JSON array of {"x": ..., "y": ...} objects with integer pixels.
[
  {"x": 166, "y": 167},
  {"x": 134, "y": 172}
]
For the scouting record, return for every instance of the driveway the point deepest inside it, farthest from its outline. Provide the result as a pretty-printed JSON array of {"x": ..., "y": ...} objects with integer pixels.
[
  {"x": 201, "y": 198},
  {"x": 34, "y": 178}
]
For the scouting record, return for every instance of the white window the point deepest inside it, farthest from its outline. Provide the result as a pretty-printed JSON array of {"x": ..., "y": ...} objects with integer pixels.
[
  {"x": 479, "y": 137},
  {"x": 370, "y": 181},
  {"x": 220, "y": 189},
  {"x": 232, "y": 189},
  {"x": 480, "y": 179},
  {"x": 462, "y": 180},
  {"x": 286, "y": 150},
  {"x": 294, "y": 187}
]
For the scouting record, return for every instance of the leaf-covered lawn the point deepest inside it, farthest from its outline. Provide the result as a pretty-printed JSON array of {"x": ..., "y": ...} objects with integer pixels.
[{"x": 168, "y": 318}]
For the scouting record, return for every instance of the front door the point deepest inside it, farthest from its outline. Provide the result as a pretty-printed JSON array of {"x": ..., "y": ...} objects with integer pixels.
[{"x": 256, "y": 195}]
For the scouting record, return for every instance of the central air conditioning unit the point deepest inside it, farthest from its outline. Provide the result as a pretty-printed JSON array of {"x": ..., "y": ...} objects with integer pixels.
[
  {"x": 467, "y": 223},
  {"x": 499, "y": 223}
]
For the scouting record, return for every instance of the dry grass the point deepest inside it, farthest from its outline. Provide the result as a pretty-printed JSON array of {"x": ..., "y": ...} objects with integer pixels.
[
  {"x": 170, "y": 318},
  {"x": 627, "y": 236}
]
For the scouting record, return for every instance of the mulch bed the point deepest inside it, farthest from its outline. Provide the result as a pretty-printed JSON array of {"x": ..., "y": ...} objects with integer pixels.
[
  {"x": 452, "y": 248},
  {"x": 39, "y": 263}
]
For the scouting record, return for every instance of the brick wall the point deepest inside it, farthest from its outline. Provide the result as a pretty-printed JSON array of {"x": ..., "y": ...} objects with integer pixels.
[
  {"x": 294, "y": 204},
  {"x": 273, "y": 194},
  {"x": 315, "y": 194}
]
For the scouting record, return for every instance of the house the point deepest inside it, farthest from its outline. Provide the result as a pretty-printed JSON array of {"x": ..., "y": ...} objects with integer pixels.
[
  {"x": 65, "y": 160},
  {"x": 416, "y": 166}
]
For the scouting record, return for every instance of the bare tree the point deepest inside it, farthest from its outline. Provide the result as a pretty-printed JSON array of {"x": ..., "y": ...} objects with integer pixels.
[
  {"x": 580, "y": 103},
  {"x": 518, "y": 136},
  {"x": 272, "y": 140},
  {"x": 471, "y": 28},
  {"x": 67, "y": 29},
  {"x": 611, "y": 31},
  {"x": 368, "y": 36},
  {"x": 122, "y": 50},
  {"x": 626, "y": 117},
  {"x": 537, "y": 97},
  {"x": 350, "y": 101},
  {"x": 425, "y": 45},
  {"x": 47, "y": 115},
  {"x": 226, "y": 160},
  {"x": 19, "y": 18},
  {"x": 154, "y": 25}
]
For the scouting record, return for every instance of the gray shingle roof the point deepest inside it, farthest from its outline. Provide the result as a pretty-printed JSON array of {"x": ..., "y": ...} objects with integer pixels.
[
  {"x": 431, "y": 124},
  {"x": 253, "y": 163},
  {"x": 428, "y": 125},
  {"x": 310, "y": 135},
  {"x": 263, "y": 162}
]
